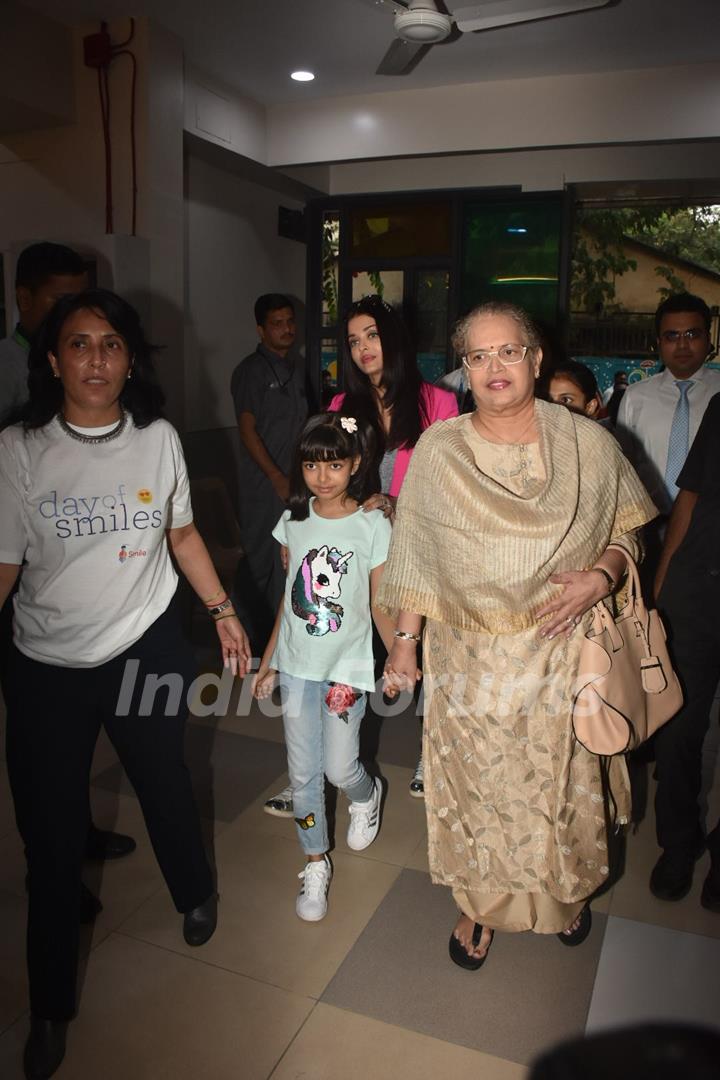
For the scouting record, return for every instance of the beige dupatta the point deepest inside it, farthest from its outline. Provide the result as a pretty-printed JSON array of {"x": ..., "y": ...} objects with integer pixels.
[{"x": 470, "y": 553}]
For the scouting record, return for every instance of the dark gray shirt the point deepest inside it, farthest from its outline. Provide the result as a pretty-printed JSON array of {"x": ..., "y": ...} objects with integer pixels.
[
  {"x": 13, "y": 376},
  {"x": 273, "y": 389}
]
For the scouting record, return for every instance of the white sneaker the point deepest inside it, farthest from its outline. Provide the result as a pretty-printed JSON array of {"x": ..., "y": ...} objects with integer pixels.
[
  {"x": 365, "y": 819},
  {"x": 417, "y": 784},
  {"x": 280, "y": 805},
  {"x": 311, "y": 903}
]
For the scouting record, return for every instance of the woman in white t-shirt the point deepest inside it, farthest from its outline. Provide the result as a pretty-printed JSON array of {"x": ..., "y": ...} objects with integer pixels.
[
  {"x": 321, "y": 644},
  {"x": 94, "y": 497}
]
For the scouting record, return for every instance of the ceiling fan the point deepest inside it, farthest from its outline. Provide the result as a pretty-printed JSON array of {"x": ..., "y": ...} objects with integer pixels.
[{"x": 420, "y": 24}]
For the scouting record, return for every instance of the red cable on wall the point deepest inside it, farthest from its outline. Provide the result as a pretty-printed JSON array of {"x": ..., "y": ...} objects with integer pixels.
[
  {"x": 133, "y": 148},
  {"x": 100, "y": 53}
]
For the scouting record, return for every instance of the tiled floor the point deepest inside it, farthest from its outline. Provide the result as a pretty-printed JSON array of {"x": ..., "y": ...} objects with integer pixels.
[{"x": 367, "y": 993}]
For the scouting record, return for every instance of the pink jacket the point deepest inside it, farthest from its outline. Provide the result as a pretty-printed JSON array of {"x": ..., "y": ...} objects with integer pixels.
[{"x": 439, "y": 405}]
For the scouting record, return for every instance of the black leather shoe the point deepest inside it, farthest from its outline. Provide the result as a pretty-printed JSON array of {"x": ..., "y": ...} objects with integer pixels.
[
  {"x": 672, "y": 875},
  {"x": 103, "y": 845},
  {"x": 90, "y": 906},
  {"x": 45, "y": 1048},
  {"x": 199, "y": 924},
  {"x": 710, "y": 895}
]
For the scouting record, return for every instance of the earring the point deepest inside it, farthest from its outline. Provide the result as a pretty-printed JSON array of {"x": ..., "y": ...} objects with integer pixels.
[
  {"x": 56, "y": 374},
  {"x": 129, "y": 374}
]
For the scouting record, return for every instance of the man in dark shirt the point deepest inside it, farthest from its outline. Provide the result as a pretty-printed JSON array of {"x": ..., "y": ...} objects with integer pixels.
[
  {"x": 269, "y": 392},
  {"x": 687, "y": 586}
]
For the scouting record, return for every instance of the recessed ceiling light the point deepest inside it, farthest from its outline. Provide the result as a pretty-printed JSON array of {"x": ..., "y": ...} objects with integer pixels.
[{"x": 302, "y": 76}]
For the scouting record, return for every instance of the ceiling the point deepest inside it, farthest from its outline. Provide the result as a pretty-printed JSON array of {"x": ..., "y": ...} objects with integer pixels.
[{"x": 252, "y": 45}]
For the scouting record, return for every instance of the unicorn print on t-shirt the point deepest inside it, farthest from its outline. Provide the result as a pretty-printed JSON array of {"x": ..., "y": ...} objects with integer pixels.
[{"x": 317, "y": 586}]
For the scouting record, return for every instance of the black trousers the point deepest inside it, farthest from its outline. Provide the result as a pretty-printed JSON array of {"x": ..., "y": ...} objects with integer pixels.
[
  {"x": 690, "y": 603},
  {"x": 54, "y": 718}
]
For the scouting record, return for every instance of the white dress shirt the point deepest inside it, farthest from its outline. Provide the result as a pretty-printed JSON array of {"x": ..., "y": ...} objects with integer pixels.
[{"x": 645, "y": 418}]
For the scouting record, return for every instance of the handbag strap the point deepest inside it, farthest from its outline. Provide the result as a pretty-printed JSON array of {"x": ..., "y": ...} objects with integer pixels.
[{"x": 634, "y": 607}]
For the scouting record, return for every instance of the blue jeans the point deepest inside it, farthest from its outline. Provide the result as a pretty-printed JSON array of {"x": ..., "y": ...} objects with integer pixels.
[{"x": 319, "y": 744}]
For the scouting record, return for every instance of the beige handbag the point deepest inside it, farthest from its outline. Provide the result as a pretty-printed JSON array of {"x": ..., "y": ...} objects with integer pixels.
[{"x": 626, "y": 687}]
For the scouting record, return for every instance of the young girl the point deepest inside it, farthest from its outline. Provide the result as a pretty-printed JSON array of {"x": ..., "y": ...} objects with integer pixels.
[{"x": 321, "y": 644}]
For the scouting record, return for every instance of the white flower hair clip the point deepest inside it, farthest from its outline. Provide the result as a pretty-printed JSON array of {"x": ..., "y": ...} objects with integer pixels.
[{"x": 349, "y": 424}]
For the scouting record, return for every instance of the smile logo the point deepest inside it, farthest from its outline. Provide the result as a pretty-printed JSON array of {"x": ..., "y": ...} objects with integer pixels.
[{"x": 144, "y": 495}]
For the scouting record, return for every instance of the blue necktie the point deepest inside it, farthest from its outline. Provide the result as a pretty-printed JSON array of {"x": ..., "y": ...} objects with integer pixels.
[{"x": 679, "y": 442}]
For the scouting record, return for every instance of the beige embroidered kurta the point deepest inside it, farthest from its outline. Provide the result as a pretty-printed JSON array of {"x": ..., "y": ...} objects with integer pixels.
[{"x": 515, "y": 809}]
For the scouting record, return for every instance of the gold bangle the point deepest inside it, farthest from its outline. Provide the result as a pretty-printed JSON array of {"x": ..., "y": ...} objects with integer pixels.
[
  {"x": 404, "y": 635},
  {"x": 215, "y": 596},
  {"x": 230, "y": 615}
]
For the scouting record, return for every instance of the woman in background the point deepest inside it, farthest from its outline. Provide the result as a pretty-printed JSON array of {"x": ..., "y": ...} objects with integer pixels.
[
  {"x": 386, "y": 391},
  {"x": 573, "y": 385}
]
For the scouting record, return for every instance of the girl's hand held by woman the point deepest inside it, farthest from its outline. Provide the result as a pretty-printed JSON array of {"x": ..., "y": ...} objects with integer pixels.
[
  {"x": 401, "y": 670},
  {"x": 263, "y": 684}
]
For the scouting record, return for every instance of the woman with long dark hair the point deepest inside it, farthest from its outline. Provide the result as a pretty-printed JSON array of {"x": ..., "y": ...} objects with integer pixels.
[
  {"x": 94, "y": 498},
  {"x": 385, "y": 390}
]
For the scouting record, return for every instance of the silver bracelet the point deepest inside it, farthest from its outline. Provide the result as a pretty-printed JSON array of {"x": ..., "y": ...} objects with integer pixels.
[
  {"x": 215, "y": 611},
  {"x": 405, "y": 636}
]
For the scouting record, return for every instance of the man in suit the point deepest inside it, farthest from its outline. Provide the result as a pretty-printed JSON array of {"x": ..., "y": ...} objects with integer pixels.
[{"x": 687, "y": 585}]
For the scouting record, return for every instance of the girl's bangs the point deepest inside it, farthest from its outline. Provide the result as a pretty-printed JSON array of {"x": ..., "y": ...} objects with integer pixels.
[{"x": 324, "y": 444}]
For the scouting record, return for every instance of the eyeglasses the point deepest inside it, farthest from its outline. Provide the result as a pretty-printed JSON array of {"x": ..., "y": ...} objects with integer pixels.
[
  {"x": 506, "y": 354},
  {"x": 673, "y": 336}
]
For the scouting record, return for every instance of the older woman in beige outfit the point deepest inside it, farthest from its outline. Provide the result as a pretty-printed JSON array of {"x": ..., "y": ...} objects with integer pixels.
[{"x": 512, "y": 523}]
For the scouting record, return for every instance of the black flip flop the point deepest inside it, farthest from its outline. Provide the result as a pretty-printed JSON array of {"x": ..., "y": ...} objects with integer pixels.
[
  {"x": 578, "y": 936},
  {"x": 461, "y": 958}
]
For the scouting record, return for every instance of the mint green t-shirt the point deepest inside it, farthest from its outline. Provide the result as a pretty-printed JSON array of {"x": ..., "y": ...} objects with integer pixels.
[{"x": 325, "y": 631}]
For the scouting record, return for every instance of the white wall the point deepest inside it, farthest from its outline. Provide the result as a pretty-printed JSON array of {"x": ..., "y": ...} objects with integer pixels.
[
  {"x": 533, "y": 170},
  {"x": 36, "y": 85},
  {"x": 52, "y": 180},
  {"x": 233, "y": 254},
  {"x": 222, "y": 116},
  {"x": 669, "y": 104},
  {"x": 52, "y": 187}
]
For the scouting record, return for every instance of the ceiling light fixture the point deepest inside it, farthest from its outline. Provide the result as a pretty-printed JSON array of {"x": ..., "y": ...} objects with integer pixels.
[{"x": 302, "y": 76}]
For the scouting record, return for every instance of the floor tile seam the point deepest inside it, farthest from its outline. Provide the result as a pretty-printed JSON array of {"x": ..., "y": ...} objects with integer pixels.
[
  {"x": 161, "y": 887},
  {"x": 653, "y": 922},
  {"x": 425, "y": 1034},
  {"x": 332, "y": 852},
  {"x": 661, "y": 926},
  {"x": 8, "y": 1027},
  {"x": 214, "y": 966},
  {"x": 285, "y": 1052}
]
